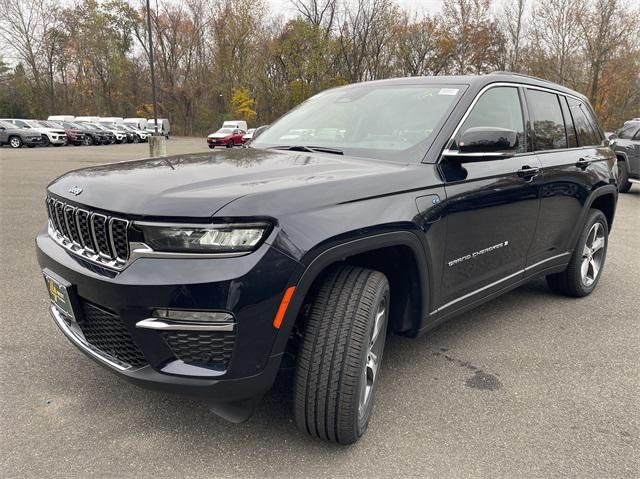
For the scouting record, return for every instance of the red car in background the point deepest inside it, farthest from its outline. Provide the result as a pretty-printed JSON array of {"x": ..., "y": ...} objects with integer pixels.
[{"x": 228, "y": 137}]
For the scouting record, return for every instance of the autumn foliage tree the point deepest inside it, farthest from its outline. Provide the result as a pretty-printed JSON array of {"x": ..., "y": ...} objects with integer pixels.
[{"x": 221, "y": 59}]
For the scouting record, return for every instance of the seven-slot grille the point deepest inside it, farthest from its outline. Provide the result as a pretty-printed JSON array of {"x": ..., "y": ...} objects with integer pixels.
[{"x": 94, "y": 236}]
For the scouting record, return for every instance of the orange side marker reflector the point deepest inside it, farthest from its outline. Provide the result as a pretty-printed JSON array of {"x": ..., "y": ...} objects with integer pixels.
[{"x": 277, "y": 321}]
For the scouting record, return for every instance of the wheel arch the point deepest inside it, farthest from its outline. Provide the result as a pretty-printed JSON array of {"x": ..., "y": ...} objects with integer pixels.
[
  {"x": 603, "y": 198},
  {"x": 399, "y": 255}
]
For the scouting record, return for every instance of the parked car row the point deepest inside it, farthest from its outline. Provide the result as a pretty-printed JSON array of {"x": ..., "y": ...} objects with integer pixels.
[{"x": 61, "y": 130}]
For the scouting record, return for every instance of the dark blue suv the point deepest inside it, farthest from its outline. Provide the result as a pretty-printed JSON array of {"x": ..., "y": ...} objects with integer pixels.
[{"x": 375, "y": 208}]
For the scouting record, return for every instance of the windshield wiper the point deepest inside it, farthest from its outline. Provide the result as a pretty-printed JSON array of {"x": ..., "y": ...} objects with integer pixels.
[{"x": 310, "y": 149}]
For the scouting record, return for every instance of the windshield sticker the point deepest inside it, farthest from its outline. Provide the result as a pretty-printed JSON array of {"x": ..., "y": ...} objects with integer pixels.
[
  {"x": 475, "y": 254},
  {"x": 448, "y": 91}
]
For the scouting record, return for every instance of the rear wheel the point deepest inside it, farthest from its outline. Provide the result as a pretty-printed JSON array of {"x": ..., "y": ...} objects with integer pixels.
[
  {"x": 340, "y": 355},
  {"x": 15, "y": 142},
  {"x": 585, "y": 268},
  {"x": 624, "y": 184}
]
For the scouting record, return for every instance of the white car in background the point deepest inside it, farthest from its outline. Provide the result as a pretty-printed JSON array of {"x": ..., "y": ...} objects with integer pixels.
[
  {"x": 248, "y": 136},
  {"x": 141, "y": 135},
  {"x": 50, "y": 136}
]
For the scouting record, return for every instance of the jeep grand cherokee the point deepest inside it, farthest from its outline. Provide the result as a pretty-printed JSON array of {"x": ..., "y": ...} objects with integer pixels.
[{"x": 375, "y": 208}]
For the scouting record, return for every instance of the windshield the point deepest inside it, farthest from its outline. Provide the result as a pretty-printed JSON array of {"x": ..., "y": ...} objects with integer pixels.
[
  {"x": 68, "y": 124},
  {"x": 390, "y": 122},
  {"x": 225, "y": 131}
]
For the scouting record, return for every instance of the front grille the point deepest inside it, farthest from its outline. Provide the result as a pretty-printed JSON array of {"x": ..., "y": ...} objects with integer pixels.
[
  {"x": 105, "y": 331},
  {"x": 94, "y": 236},
  {"x": 202, "y": 348}
]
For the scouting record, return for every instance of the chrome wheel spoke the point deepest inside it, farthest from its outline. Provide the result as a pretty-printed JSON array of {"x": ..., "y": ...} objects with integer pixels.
[
  {"x": 584, "y": 268},
  {"x": 377, "y": 326},
  {"x": 594, "y": 269},
  {"x": 597, "y": 245}
]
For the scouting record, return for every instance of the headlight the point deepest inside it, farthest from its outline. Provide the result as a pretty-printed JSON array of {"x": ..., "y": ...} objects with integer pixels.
[{"x": 221, "y": 238}]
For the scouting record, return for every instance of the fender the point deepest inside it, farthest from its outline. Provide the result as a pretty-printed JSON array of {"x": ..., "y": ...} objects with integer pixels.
[
  {"x": 625, "y": 160},
  {"x": 338, "y": 253},
  {"x": 596, "y": 193}
]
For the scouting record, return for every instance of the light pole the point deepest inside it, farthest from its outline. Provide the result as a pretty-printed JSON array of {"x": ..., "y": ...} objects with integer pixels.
[{"x": 157, "y": 146}]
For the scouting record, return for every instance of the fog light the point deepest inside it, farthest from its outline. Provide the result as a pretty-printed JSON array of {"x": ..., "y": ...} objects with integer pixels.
[{"x": 195, "y": 316}]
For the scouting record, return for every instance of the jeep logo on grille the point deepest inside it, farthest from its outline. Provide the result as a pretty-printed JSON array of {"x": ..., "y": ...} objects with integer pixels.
[{"x": 75, "y": 190}]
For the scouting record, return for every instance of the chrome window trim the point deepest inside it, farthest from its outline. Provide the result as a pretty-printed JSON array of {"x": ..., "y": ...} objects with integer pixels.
[{"x": 496, "y": 85}]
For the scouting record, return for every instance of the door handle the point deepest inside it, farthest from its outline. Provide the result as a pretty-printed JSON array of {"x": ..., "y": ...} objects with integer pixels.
[
  {"x": 582, "y": 163},
  {"x": 527, "y": 172}
]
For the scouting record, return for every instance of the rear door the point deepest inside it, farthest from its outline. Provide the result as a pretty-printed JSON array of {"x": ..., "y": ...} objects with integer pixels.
[
  {"x": 491, "y": 207},
  {"x": 569, "y": 147}
]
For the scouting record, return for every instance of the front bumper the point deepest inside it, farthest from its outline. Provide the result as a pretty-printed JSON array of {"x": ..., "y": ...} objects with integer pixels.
[
  {"x": 32, "y": 140},
  {"x": 249, "y": 287},
  {"x": 58, "y": 139}
]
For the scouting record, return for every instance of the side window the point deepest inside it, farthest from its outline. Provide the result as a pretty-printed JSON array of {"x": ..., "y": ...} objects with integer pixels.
[
  {"x": 572, "y": 139},
  {"x": 586, "y": 135},
  {"x": 21, "y": 124},
  {"x": 548, "y": 123},
  {"x": 498, "y": 107}
]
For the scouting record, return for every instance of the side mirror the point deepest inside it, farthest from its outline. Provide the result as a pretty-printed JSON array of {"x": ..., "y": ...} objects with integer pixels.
[
  {"x": 612, "y": 136},
  {"x": 485, "y": 143},
  {"x": 488, "y": 140}
]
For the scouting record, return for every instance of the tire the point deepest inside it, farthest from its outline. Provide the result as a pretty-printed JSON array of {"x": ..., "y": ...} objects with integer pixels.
[
  {"x": 211, "y": 146},
  {"x": 45, "y": 141},
  {"x": 96, "y": 141},
  {"x": 88, "y": 141},
  {"x": 624, "y": 184},
  {"x": 15, "y": 142},
  {"x": 585, "y": 268},
  {"x": 331, "y": 398},
  {"x": 230, "y": 144}
]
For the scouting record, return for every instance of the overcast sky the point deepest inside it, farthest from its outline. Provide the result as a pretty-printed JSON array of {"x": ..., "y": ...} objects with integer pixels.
[{"x": 426, "y": 6}]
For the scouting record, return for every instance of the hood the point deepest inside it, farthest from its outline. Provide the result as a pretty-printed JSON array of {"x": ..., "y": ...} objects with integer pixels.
[{"x": 199, "y": 185}]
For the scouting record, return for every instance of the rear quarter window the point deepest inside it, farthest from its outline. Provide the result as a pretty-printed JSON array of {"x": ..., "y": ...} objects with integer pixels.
[{"x": 588, "y": 133}]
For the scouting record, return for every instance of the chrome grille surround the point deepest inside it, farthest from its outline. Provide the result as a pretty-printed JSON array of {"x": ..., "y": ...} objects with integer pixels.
[{"x": 89, "y": 234}]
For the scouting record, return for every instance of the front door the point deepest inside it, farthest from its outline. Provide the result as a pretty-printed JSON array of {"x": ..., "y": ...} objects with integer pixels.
[{"x": 491, "y": 207}]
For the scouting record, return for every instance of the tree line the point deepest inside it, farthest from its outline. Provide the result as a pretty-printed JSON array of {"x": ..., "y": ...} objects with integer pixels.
[{"x": 220, "y": 59}]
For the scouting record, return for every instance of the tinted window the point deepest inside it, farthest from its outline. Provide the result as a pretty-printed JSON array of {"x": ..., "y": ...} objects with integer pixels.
[
  {"x": 628, "y": 131},
  {"x": 498, "y": 107},
  {"x": 572, "y": 139},
  {"x": 548, "y": 122},
  {"x": 586, "y": 134}
]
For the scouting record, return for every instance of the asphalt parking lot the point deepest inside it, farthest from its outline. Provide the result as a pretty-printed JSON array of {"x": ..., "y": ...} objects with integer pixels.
[{"x": 529, "y": 385}]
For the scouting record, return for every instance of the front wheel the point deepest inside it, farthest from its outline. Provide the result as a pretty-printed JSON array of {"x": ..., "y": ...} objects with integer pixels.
[
  {"x": 340, "y": 354},
  {"x": 45, "y": 140},
  {"x": 585, "y": 268},
  {"x": 15, "y": 142},
  {"x": 230, "y": 144}
]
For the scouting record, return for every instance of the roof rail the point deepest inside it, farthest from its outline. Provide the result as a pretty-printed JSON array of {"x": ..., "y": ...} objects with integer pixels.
[{"x": 521, "y": 75}]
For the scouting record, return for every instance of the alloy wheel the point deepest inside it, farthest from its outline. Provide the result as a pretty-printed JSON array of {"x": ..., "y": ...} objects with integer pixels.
[
  {"x": 374, "y": 356},
  {"x": 592, "y": 254}
]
